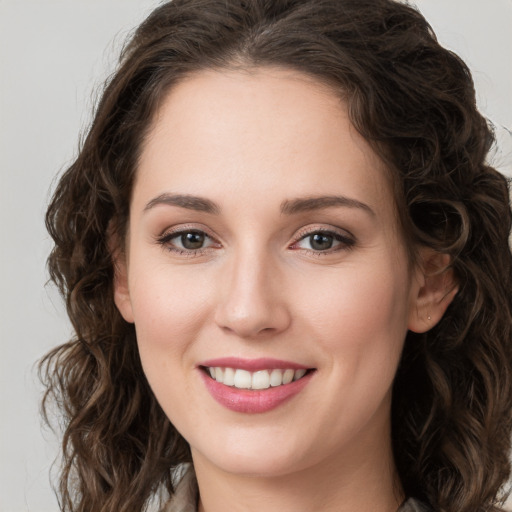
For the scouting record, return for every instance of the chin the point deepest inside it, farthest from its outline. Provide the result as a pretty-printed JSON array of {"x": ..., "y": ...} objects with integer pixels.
[{"x": 253, "y": 460}]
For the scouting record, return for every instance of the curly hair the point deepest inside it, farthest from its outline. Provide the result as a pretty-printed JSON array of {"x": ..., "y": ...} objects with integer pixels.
[{"x": 414, "y": 102}]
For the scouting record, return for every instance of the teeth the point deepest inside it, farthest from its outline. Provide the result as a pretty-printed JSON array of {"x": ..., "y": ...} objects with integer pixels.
[
  {"x": 276, "y": 378},
  {"x": 299, "y": 374},
  {"x": 229, "y": 377},
  {"x": 288, "y": 376},
  {"x": 242, "y": 379},
  {"x": 262, "y": 379}
]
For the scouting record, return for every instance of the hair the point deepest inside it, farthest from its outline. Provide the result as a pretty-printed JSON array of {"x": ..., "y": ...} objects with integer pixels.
[{"x": 414, "y": 102}]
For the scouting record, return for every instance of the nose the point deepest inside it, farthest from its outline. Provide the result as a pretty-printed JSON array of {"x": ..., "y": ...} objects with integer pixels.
[{"x": 253, "y": 301}]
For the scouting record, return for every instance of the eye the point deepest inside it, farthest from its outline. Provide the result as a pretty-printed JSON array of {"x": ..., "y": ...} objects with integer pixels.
[
  {"x": 320, "y": 241},
  {"x": 187, "y": 241},
  {"x": 324, "y": 241},
  {"x": 190, "y": 240}
]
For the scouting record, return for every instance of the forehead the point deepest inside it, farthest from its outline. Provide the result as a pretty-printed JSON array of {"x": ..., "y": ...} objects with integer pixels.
[{"x": 266, "y": 133}]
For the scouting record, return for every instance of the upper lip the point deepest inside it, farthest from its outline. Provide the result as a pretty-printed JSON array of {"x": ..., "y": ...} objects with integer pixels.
[{"x": 253, "y": 365}]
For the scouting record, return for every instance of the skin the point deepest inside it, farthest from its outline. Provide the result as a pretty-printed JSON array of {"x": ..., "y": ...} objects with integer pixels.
[{"x": 248, "y": 141}]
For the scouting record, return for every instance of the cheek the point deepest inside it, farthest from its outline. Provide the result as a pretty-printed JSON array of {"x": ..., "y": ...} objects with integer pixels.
[
  {"x": 168, "y": 317},
  {"x": 359, "y": 315},
  {"x": 356, "y": 296},
  {"x": 169, "y": 309}
]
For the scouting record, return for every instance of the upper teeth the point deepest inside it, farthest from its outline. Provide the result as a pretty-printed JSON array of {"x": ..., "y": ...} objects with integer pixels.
[{"x": 261, "y": 379}]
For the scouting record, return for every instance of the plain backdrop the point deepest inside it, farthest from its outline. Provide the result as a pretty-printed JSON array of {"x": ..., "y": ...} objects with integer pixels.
[{"x": 54, "y": 55}]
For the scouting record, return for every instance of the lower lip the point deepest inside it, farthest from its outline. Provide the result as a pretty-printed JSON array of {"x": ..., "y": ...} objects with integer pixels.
[{"x": 253, "y": 401}]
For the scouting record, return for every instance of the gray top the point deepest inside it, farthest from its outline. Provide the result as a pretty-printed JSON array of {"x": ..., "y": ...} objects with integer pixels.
[
  {"x": 185, "y": 497},
  {"x": 412, "y": 505}
]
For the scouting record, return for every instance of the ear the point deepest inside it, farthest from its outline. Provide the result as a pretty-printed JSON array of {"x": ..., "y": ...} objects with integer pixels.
[
  {"x": 121, "y": 289},
  {"x": 435, "y": 287}
]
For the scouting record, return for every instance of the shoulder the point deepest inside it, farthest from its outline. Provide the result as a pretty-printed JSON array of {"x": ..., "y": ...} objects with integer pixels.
[
  {"x": 414, "y": 505},
  {"x": 186, "y": 492}
]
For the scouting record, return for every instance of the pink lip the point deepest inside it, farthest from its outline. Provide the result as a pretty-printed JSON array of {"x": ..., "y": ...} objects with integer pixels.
[
  {"x": 253, "y": 401},
  {"x": 253, "y": 365}
]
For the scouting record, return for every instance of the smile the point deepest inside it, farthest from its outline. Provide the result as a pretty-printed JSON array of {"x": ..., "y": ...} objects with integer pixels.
[
  {"x": 261, "y": 379},
  {"x": 254, "y": 386}
]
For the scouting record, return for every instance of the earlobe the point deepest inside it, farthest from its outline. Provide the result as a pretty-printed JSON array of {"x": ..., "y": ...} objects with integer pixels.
[
  {"x": 121, "y": 290},
  {"x": 433, "y": 292}
]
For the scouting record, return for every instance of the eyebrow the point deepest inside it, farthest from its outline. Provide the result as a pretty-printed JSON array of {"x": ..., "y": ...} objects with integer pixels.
[
  {"x": 288, "y": 207},
  {"x": 306, "y": 204},
  {"x": 189, "y": 202}
]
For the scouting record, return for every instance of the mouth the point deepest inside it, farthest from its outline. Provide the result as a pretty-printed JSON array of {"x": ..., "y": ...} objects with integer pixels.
[
  {"x": 255, "y": 380},
  {"x": 254, "y": 385}
]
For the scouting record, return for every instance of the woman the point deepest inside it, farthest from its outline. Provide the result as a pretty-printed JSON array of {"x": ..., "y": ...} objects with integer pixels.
[{"x": 287, "y": 266}]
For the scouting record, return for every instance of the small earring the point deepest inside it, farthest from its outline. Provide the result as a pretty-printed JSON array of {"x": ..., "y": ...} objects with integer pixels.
[{"x": 429, "y": 317}]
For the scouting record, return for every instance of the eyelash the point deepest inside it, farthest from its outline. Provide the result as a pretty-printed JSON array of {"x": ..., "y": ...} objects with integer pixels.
[
  {"x": 347, "y": 242},
  {"x": 166, "y": 238}
]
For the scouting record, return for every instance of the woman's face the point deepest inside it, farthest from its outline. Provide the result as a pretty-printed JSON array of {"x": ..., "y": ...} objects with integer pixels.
[{"x": 263, "y": 239}]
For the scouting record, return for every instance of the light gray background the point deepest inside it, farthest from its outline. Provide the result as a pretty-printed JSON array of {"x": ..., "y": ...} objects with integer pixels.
[{"x": 53, "y": 55}]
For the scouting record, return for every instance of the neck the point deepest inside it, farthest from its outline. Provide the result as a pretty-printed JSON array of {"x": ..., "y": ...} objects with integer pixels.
[{"x": 343, "y": 483}]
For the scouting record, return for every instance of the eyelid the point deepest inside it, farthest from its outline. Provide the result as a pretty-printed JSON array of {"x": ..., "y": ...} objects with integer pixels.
[
  {"x": 185, "y": 228},
  {"x": 323, "y": 228}
]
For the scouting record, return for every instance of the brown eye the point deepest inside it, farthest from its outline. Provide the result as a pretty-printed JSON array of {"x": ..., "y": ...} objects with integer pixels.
[
  {"x": 192, "y": 240},
  {"x": 187, "y": 241},
  {"x": 321, "y": 241},
  {"x": 324, "y": 242}
]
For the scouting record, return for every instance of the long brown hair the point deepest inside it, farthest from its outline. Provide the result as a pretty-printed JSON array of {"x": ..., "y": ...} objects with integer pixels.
[{"x": 414, "y": 102}]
